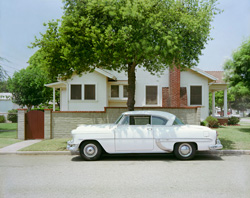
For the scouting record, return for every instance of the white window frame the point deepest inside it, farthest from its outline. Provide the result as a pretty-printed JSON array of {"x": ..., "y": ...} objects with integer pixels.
[
  {"x": 202, "y": 94},
  {"x": 158, "y": 95}
]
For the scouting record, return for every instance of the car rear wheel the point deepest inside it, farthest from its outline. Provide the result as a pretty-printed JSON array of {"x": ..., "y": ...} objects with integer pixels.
[
  {"x": 90, "y": 151},
  {"x": 185, "y": 151}
]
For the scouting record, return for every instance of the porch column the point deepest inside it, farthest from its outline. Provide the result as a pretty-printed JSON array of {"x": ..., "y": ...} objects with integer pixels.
[
  {"x": 225, "y": 103},
  {"x": 213, "y": 103},
  {"x": 54, "y": 97}
]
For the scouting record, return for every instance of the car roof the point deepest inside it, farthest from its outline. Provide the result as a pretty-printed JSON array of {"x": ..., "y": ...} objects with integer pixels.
[{"x": 154, "y": 113}]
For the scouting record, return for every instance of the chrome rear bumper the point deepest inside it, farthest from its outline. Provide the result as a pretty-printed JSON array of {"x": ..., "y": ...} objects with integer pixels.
[{"x": 217, "y": 146}]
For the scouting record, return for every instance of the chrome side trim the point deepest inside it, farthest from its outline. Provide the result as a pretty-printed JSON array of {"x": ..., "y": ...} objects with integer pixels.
[{"x": 158, "y": 143}]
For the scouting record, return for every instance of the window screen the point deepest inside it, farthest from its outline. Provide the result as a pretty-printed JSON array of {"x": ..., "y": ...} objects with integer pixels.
[
  {"x": 89, "y": 92},
  {"x": 151, "y": 95},
  {"x": 196, "y": 95},
  {"x": 114, "y": 91},
  {"x": 125, "y": 91},
  {"x": 76, "y": 92}
]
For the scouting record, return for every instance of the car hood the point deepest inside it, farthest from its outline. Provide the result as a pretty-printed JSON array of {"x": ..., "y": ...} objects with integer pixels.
[{"x": 97, "y": 128}]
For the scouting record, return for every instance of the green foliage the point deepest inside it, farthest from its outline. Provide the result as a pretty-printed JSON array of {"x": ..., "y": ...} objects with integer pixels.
[
  {"x": 121, "y": 35},
  {"x": 238, "y": 67},
  {"x": 12, "y": 115},
  {"x": 204, "y": 123},
  {"x": 233, "y": 120},
  {"x": 2, "y": 119},
  {"x": 212, "y": 122},
  {"x": 27, "y": 87}
]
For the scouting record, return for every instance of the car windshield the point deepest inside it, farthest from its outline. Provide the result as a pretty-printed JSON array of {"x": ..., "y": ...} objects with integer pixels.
[
  {"x": 177, "y": 121},
  {"x": 118, "y": 120}
]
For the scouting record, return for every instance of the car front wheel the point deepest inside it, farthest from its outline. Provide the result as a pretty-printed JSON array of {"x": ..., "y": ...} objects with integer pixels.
[
  {"x": 185, "y": 151},
  {"x": 90, "y": 151}
]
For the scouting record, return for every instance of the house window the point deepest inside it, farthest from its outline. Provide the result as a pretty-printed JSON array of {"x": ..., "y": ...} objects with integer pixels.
[
  {"x": 196, "y": 95},
  {"x": 151, "y": 95},
  {"x": 125, "y": 91},
  {"x": 114, "y": 91},
  {"x": 76, "y": 92},
  {"x": 89, "y": 92}
]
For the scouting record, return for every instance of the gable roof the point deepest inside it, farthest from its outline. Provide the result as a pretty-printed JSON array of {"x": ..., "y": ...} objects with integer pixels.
[
  {"x": 218, "y": 75},
  {"x": 205, "y": 74}
]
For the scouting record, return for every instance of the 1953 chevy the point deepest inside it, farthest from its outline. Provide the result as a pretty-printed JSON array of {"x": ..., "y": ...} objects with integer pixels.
[{"x": 143, "y": 132}]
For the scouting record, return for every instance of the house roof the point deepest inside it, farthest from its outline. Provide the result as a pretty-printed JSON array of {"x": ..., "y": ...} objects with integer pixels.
[
  {"x": 56, "y": 85},
  {"x": 203, "y": 73},
  {"x": 105, "y": 73},
  {"x": 218, "y": 75}
]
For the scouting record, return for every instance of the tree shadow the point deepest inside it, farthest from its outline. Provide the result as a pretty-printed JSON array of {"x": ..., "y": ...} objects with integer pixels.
[
  {"x": 245, "y": 130},
  {"x": 227, "y": 144}
]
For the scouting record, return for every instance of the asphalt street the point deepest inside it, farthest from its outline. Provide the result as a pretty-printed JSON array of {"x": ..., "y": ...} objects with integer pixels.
[{"x": 31, "y": 176}]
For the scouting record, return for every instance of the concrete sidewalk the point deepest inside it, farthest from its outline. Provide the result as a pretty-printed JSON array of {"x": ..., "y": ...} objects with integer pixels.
[
  {"x": 14, "y": 149},
  {"x": 17, "y": 146}
]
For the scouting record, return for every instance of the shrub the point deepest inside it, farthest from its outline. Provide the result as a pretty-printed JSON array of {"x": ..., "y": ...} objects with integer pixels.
[
  {"x": 12, "y": 115},
  {"x": 212, "y": 122},
  {"x": 233, "y": 120},
  {"x": 2, "y": 119},
  {"x": 204, "y": 123}
]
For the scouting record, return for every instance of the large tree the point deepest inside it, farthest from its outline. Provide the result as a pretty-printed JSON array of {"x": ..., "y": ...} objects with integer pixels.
[
  {"x": 124, "y": 34},
  {"x": 237, "y": 68},
  {"x": 27, "y": 87}
]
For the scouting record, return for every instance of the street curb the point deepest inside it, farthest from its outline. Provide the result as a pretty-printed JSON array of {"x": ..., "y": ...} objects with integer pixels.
[
  {"x": 218, "y": 152},
  {"x": 36, "y": 153},
  {"x": 225, "y": 152}
]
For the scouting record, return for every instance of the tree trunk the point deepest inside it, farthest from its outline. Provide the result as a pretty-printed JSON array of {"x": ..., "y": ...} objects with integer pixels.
[{"x": 131, "y": 86}]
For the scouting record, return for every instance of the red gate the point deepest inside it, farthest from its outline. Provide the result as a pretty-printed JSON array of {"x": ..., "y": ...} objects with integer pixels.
[{"x": 34, "y": 125}]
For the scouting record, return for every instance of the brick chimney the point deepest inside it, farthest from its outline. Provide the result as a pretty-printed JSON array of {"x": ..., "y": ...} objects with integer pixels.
[{"x": 174, "y": 87}]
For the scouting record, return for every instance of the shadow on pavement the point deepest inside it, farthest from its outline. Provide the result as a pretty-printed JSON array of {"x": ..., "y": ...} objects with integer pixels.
[{"x": 150, "y": 157}]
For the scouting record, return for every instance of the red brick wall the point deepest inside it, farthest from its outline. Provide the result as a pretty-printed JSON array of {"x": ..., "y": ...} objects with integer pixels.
[
  {"x": 183, "y": 96},
  {"x": 174, "y": 87},
  {"x": 174, "y": 95}
]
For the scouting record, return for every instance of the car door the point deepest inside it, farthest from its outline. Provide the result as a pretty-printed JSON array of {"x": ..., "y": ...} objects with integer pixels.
[{"x": 134, "y": 134}]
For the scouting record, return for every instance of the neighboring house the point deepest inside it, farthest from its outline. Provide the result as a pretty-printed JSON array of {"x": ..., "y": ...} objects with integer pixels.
[
  {"x": 102, "y": 88},
  {"x": 6, "y": 103}
]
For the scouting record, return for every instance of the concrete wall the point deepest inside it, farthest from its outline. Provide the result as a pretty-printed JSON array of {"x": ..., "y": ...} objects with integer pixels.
[{"x": 64, "y": 122}]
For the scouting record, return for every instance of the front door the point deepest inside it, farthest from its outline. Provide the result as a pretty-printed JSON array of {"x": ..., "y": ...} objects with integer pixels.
[{"x": 135, "y": 135}]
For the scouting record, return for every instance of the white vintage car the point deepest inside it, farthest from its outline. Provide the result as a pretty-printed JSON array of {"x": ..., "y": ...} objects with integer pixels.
[{"x": 143, "y": 132}]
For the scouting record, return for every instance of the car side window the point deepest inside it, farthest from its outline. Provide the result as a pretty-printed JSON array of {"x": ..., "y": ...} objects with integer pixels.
[
  {"x": 124, "y": 120},
  {"x": 140, "y": 120},
  {"x": 159, "y": 121},
  {"x": 177, "y": 121}
]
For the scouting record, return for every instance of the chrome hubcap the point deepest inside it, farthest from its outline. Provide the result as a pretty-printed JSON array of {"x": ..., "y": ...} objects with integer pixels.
[
  {"x": 185, "y": 150},
  {"x": 90, "y": 150}
]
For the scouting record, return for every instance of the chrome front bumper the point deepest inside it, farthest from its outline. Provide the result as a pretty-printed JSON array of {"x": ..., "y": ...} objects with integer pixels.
[
  {"x": 217, "y": 146},
  {"x": 73, "y": 148}
]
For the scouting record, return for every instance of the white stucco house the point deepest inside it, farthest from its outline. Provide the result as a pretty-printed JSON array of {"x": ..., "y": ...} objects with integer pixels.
[{"x": 173, "y": 88}]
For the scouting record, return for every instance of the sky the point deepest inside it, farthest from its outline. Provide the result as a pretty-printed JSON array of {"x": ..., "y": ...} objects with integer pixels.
[{"x": 22, "y": 20}]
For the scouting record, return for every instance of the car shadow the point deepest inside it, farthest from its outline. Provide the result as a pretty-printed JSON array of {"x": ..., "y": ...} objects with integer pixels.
[{"x": 151, "y": 157}]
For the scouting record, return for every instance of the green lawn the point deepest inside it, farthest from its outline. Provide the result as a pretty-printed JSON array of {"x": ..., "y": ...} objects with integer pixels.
[
  {"x": 49, "y": 145},
  {"x": 8, "y": 137},
  {"x": 235, "y": 137}
]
